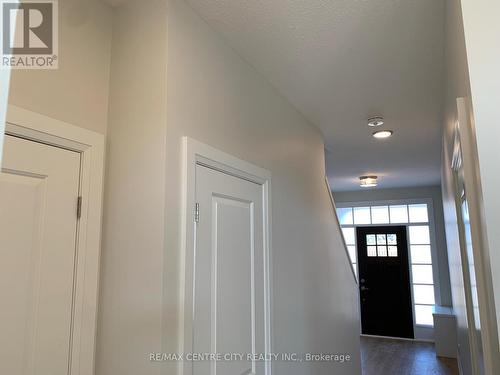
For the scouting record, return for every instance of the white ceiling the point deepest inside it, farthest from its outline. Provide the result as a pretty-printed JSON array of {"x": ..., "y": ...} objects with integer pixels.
[{"x": 341, "y": 61}]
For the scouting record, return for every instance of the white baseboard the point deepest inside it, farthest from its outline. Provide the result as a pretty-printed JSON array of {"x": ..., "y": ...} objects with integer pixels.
[{"x": 398, "y": 338}]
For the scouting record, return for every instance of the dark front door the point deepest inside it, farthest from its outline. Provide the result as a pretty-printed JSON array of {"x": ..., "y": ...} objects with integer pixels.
[{"x": 384, "y": 281}]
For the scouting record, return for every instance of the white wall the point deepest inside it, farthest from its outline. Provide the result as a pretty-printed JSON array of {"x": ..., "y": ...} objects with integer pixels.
[
  {"x": 456, "y": 85},
  {"x": 77, "y": 92},
  {"x": 481, "y": 32},
  {"x": 431, "y": 192},
  {"x": 129, "y": 323},
  {"x": 482, "y": 35},
  {"x": 216, "y": 98}
]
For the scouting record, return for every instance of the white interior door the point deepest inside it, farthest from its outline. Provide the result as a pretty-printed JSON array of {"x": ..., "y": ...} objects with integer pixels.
[
  {"x": 38, "y": 225},
  {"x": 229, "y": 304}
]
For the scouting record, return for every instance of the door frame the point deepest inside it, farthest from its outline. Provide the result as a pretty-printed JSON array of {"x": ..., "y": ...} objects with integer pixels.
[
  {"x": 490, "y": 328},
  {"x": 197, "y": 153},
  {"x": 457, "y": 170},
  {"x": 4, "y": 99},
  {"x": 90, "y": 145},
  {"x": 405, "y": 263},
  {"x": 422, "y": 332}
]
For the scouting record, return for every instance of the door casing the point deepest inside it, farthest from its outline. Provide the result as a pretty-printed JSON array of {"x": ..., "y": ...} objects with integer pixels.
[
  {"x": 36, "y": 127},
  {"x": 197, "y": 153},
  {"x": 482, "y": 259},
  {"x": 364, "y": 262}
]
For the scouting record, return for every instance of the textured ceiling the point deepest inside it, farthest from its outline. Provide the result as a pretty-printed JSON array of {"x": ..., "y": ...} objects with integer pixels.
[{"x": 341, "y": 61}]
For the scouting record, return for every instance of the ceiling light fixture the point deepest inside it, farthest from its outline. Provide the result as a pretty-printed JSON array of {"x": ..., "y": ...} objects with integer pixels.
[
  {"x": 383, "y": 134},
  {"x": 368, "y": 181},
  {"x": 375, "y": 121}
]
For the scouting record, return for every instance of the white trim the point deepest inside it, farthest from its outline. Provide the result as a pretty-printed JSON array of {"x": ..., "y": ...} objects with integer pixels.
[
  {"x": 389, "y": 202},
  {"x": 197, "y": 153},
  {"x": 459, "y": 183},
  {"x": 30, "y": 125},
  {"x": 460, "y": 366},
  {"x": 397, "y": 338},
  {"x": 478, "y": 226},
  {"x": 417, "y": 328},
  {"x": 4, "y": 99}
]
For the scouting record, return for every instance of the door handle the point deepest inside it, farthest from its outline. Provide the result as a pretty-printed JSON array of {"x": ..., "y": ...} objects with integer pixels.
[{"x": 363, "y": 288}]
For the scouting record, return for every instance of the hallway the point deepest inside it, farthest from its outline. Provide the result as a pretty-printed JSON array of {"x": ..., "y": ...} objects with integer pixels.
[
  {"x": 388, "y": 357},
  {"x": 246, "y": 187}
]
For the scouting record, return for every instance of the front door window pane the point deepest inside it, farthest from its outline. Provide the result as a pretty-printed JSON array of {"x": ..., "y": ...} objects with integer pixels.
[
  {"x": 381, "y": 239},
  {"x": 382, "y": 251},
  {"x": 371, "y": 239},
  {"x": 392, "y": 239},
  {"x": 392, "y": 251}
]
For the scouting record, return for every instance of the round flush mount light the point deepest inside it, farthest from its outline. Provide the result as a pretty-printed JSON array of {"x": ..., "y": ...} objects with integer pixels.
[
  {"x": 375, "y": 121},
  {"x": 368, "y": 181},
  {"x": 381, "y": 134}
]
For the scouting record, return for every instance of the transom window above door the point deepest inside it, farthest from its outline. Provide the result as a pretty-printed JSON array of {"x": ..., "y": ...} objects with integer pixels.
[{"x": 384, "y": 214}]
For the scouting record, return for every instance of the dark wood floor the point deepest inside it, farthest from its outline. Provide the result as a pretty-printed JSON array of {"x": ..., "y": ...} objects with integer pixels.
[{"x": 398, "y": 357}]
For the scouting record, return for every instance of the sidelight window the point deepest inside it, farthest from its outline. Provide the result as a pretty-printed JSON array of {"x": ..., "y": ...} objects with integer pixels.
[{"x": 421, "y": 266}]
